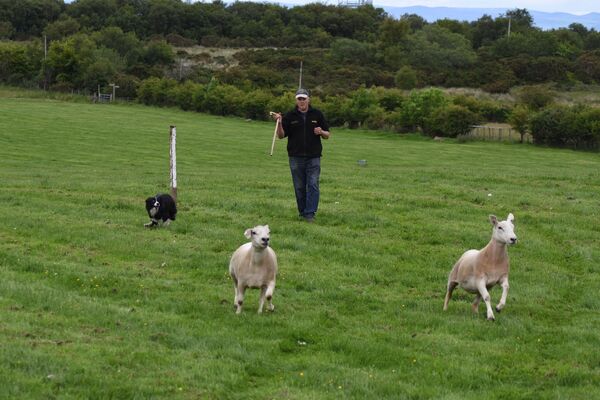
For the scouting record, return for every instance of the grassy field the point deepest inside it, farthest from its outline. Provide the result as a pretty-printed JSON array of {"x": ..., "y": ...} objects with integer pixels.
[{"x": 93, "y": 305}]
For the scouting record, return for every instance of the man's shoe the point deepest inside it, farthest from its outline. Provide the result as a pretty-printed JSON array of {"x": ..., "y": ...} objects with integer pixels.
[{"x": 310, "y": 220}]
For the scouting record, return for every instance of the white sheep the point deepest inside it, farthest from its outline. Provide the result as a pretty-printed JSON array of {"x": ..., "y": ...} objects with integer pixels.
[
  {"x": 254, "y": 265},
  {"x": 479, "y": 270}
]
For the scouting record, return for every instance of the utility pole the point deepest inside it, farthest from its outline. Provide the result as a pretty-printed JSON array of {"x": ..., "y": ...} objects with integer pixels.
[{"x": 509, "y": 19}]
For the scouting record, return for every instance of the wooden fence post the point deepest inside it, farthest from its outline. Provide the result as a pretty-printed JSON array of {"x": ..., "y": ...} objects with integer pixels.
[{"x": 173, "y": 160}]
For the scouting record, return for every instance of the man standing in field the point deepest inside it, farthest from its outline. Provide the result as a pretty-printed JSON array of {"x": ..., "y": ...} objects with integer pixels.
[{"x": 304, "y": 126}]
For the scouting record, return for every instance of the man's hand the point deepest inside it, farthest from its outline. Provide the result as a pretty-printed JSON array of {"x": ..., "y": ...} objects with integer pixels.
[
  {"x": 322, "y": 132},
  {"x": 275, "y": 116}
]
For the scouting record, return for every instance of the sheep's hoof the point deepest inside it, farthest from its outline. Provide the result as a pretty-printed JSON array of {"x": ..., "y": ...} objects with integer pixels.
[
  {"x": 491, "y": 319},
  {"x": 498, "y": 309}
]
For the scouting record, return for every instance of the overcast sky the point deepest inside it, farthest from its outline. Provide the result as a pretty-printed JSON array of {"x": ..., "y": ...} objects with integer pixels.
[{"x": 569, "y": 6}]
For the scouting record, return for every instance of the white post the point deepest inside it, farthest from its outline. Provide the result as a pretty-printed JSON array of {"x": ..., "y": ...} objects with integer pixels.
[
  {"x": 114, "y": 87},
  {"x": 173, "y": 157}
]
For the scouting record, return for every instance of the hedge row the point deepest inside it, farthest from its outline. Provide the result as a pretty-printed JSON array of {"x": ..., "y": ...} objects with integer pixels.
[{"x": 431, "y": 110}]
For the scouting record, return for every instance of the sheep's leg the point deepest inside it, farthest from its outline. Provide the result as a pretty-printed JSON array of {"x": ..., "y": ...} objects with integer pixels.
[
  {"x": 235, "y": 298},
  {"x": 504, "y": 284},
  {"x": 269, "y": 295},
  {"x": 451, "y": 286},
  {"x": 261, "y": 303},
  {"x": 475, "y": 304},
  {"x": 486, "y": 297},
  {"x": 240, "y": 298},
  {"x": 235, "y": 290}
]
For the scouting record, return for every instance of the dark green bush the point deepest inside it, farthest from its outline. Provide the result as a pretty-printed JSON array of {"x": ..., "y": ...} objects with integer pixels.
[
  {"x": 489, "y": 110},
  {"x": 333, "y": 108},
  {"x": 519, "y": 120},
  {"x": 560, "y": 126},
  {"x": 419, "y": 106},
  {"x": 158, "y": 92},
  {"x": 389, "y": 99},
  {"x": 185, "y": 95},
  {"x": 450, "y": 121},
  {"x": 256, "y": 104},
  {"x": 361, "y": 105},
  {"x": 406, "y": 78},
  {"x": 535, "y": 97},
  {"x": 546, "y": 126},
  {"x": 223, "y": 100}
]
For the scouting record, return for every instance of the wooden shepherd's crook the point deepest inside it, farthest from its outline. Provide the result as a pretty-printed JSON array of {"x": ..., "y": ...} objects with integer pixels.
[{"x": 274, "y": 133}]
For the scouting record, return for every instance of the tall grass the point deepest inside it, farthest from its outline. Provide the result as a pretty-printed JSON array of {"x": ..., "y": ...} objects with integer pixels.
[{"x": 93, "y": 305}]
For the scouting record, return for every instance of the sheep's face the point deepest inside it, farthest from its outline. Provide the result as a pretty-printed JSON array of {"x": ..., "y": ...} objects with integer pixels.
[
  {"x": 260, "y": 236},
  {"x": 504, "y": 231}
]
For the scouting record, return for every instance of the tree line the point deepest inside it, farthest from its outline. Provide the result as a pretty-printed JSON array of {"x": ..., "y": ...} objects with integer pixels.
[{"x": 356, "y": 58}]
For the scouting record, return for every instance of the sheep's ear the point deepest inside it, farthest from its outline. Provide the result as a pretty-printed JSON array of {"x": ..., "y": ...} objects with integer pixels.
[
  {"x": 493, "y": 220},
  {"x": 511, "y": 218},
  {"x": 267, "y": 226},
  {"x": 248, "y": 233}
]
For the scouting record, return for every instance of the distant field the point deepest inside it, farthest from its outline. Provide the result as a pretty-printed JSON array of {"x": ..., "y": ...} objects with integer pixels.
[{"x": 92, "y": 305}]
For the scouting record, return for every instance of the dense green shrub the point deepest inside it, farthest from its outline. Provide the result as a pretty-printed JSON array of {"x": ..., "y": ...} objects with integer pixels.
[
  {"x": 256, "y": 104},
  {"x": 419, "y": 106},
  {"x": 535, "y": 97},
  {"x": 587, "y": 66},
  {"x": 185, "y": 95},
  {"x": 158, "y": 92},
  {"x": 348, "y": 51},
  {"x": 390, "y": 99},
  {"x": 546, "y": 126},
  {"x": 19, "y": 62},
  {"x": 560, "y": 126},
  {"x": 376, "y": 118},
  {"x": 450, "y": 121},
  {"x": 519, "y": 120},
  {"x": 362, "y": 104},
  {"x": 489, "y": 110},
  {"x": 406, "y": 78},
  {"x": 179, "y": 41},
  {"x": 223, "y": 100},
  {"x": 333, "y": 108},
  {"x": 494, "y": 76}
]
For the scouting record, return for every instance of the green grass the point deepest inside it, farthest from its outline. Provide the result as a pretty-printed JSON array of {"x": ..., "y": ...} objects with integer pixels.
[{"x": 93, "y": 305}]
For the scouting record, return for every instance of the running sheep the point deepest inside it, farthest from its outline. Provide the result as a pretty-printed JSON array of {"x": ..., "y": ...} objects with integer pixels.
[
  {"x": 479, "y": 270},
  {"x": 254, "y": 265}
]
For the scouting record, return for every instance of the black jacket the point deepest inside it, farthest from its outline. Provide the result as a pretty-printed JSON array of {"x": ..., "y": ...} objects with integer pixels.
[{"x": 302, "y": 141}]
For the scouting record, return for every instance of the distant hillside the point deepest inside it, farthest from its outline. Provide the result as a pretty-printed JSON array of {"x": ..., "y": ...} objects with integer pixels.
[{"x": 541, "y": 19}]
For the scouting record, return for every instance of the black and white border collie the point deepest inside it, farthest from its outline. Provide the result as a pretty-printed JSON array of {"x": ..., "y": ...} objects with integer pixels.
[{"x": 160, "y": 208}]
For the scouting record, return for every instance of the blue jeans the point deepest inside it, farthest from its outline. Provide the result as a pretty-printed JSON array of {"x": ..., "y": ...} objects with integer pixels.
[{"x": 305, "y": 175}]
